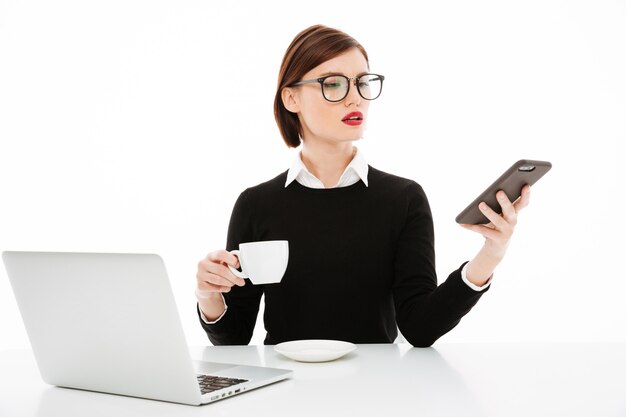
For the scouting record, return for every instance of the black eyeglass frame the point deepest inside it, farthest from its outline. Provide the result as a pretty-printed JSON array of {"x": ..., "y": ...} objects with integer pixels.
[{"x": 356, "y": 83}]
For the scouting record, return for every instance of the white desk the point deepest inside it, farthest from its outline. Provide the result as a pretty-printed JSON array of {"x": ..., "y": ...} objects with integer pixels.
[{"x": 375, "y": 380}]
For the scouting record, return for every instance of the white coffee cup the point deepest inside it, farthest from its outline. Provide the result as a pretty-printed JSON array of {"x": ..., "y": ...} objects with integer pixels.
[{"x": 263, "y": 262}]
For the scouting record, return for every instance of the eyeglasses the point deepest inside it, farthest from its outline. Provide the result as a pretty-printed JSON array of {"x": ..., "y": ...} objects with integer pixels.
[{"x": 336, "y": 87}]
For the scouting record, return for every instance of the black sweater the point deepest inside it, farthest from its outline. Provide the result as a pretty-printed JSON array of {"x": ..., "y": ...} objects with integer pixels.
[{"x": 361, "y": 265}]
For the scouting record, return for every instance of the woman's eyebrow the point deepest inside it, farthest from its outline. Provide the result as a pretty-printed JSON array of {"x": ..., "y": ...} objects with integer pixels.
[{"x": 324, "y": 74}]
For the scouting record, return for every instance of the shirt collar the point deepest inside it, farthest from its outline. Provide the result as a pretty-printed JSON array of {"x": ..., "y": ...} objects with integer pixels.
[{"x": 358, "y": 165}]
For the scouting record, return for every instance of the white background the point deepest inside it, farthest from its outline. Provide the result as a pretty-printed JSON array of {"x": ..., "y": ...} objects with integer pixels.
[{"x": 132, "y": 126}]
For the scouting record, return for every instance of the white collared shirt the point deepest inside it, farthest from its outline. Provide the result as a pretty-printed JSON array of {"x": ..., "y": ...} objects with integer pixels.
[{"x": 356, "y": 171}]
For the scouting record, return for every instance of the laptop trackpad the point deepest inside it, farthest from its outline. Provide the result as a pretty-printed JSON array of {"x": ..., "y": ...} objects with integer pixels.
[{"x": 209, "y": 368}]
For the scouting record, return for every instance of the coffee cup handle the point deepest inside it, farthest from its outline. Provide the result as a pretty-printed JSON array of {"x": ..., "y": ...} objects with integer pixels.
[{"x": 233, "y": 270}]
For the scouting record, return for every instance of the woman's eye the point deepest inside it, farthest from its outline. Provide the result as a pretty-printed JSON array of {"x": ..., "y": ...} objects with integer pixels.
[{"x": 332, "y": 85}]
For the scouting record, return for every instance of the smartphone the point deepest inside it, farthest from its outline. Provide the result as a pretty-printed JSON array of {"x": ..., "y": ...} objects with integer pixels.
[{"x": 522, "y": 172}]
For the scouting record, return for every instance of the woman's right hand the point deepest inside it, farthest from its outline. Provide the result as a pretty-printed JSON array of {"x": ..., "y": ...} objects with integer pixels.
[{"x": 214, "y": 278}]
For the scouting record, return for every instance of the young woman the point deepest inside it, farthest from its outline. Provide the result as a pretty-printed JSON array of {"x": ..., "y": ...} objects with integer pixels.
[{"x": 361, "y": 242}]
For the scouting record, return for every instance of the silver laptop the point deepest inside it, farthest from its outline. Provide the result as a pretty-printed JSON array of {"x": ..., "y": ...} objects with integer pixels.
[{"x": 109, "y": 323}]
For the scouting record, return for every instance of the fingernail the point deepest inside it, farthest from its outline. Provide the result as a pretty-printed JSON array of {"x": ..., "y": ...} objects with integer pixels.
[{"x": 482, "y": 206}]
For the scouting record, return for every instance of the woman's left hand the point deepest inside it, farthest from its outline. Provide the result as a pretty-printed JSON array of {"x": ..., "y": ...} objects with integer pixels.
[{"x": 498, "y": 233}]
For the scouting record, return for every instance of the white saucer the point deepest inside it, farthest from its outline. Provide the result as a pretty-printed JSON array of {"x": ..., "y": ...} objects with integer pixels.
[{"x": 314, "y": 350}]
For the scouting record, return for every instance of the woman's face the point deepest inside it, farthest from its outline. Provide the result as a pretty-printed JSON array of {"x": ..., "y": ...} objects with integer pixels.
[{"x": 321, "y": 120}]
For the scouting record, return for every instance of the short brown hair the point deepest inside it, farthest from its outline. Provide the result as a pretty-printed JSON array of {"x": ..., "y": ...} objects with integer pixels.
[{"x": 310, "y": 48}]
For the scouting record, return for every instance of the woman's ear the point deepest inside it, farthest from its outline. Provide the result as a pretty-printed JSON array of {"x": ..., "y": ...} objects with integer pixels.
[{"x": 290, "y": 100}]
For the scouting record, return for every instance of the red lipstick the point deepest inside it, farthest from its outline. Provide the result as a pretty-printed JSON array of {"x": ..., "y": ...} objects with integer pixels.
[{"x": 354, "y": 118}]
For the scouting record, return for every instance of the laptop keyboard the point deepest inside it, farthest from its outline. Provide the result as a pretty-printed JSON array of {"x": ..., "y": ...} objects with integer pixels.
[{"x": 209, "y": 383}]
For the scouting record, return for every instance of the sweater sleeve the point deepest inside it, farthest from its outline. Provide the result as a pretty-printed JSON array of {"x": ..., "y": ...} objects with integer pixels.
[
  {"x": 237, "y": 324},
  {"x": 425, "y": 311}
]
